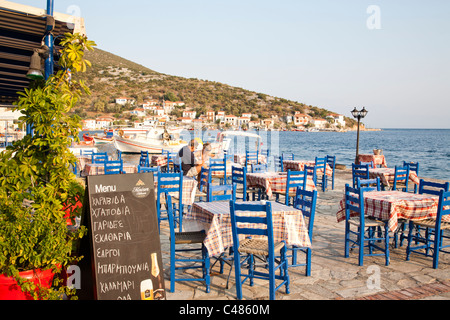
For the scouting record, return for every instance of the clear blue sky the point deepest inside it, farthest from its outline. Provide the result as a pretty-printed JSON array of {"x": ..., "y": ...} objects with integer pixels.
[{"x": 319, "y": 52}]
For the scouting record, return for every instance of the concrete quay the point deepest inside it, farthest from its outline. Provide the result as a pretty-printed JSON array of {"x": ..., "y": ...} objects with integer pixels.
[{"x": 333, "y": 276}]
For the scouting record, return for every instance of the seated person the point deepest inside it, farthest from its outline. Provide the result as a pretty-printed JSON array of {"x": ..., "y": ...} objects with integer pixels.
[{"x": 189, "y": 164}]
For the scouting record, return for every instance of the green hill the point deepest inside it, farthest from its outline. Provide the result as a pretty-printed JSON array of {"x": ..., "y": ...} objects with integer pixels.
[{"x": 112, "y": 76}]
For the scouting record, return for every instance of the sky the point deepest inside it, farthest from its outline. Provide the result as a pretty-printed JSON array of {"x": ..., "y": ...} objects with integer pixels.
[{"x": 390, "y": 56}]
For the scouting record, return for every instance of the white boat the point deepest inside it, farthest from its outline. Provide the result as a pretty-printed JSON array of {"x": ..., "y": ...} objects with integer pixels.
[
  {"x": 237, "y": 140},
  {"x": 153, "y": 140}
]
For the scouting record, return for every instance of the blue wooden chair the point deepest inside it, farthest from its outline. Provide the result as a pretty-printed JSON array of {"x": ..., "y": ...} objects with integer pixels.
[
  {"x": 320, "y": 177},
  {"x": 142, "y": 169},
  {"x": 99, "y": 157},
  {"x": 434, "y": 228},
  {"x": 369, "y": 183},
  {"x": 306, "y": 201},
  {"x": 413, "y": 166},
  {"x": 239, "y": 178},
  {"x": 223, "y": 192},
  {"x": 244, "y": 249},
  {"x": 144, "y": 159},
  {"x": 172, "y": 183},
  {"x": 278, "y": 163},
  {"x": 359, "y": 171},
  {"x": 113, "y": 167},
  {"x": 401, "y": 178},
  {"x": 369, "y": 163},
  {"x": 433, "y": 188},
  {"x": 331, "y": 161},
  {"x": 287, "y": 156},
  {"x": 181, "y": 242},
  {"x": 294, "y": 180},
  {"x": 251, "y": 157},
  {"x": 219, "y": 168},
  {"x": 369, "y": 232}
]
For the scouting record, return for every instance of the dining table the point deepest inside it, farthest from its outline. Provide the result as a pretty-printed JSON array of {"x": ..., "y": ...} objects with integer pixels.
[
  {"x": 214, "y": 217},
  {"x": 378, "y": 160},
  {"x": 299, "y": 165},
  {"x": 387, "y": 175},
  {"x": 391, "y": 206},
  {"x": 274, "y": 182}
]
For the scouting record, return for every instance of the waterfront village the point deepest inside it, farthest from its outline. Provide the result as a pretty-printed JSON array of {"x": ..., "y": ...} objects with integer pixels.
[{"x": 163, "y": 112}]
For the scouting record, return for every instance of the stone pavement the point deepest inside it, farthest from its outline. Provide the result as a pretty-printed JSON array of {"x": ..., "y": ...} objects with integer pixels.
[{"x": 333, "y": 277}]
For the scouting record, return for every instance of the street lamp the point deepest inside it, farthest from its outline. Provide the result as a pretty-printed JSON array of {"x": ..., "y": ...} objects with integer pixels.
[{"x": 358, "y": 115}]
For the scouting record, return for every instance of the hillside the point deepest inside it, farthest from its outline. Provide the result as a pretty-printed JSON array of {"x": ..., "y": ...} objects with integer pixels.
[{"x": 112, "y": 76}]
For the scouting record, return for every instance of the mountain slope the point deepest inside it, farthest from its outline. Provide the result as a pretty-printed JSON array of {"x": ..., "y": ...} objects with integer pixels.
[{"x": 112, "y": 76}]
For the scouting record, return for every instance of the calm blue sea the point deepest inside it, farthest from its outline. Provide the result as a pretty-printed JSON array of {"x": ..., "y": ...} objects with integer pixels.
[{"x": 429, "y": 147}]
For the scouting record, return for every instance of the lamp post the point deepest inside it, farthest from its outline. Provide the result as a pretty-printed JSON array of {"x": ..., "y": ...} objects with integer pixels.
[{"x": 358, "y": 114}]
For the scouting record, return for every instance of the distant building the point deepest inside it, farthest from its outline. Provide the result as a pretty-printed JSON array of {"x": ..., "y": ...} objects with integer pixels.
[
  {"x": 189, "y": 114},
  {"x": 338, "y": 119},
  {"x": 301, "y": 119},
  {"x": 125, "y": 100}
]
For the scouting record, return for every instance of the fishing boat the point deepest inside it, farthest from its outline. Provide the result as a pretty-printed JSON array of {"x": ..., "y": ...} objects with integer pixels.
[
  {"x": 107, "y": 137},
  {"x": 153, "y": 140},
  {"x": 88, "y": 138},
  {"x": 239, "y": 141}
]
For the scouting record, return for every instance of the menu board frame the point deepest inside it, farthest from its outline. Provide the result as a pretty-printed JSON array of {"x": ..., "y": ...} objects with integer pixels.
[{"x": 125, "y": 246}]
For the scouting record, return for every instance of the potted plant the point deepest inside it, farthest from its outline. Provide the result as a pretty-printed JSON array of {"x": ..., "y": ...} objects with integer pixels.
[{"x": 37, "y": 183}]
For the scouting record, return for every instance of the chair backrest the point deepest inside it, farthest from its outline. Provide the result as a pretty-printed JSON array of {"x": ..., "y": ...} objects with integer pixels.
[
  {"x": 259, "y": 168},
  {"x": 354, "y": 202},
  {"x": 311, "y": 171},
  {"x": 173, "y": 163},
  {"x": 287, "y": 156},
  {"x": 331, "y": 161},
  {"x": 306, "y": 200},
  {"x": 401, "y": 178},
  {"x": 430, "y": 187},
  {"x": 170, "y": 182},
  {"x": 257, "y": 220},
  {"x": 88, "y": 152},
  {"x": 266, "y": 153},
  {"x": 278, "y": 162},
  {"x": 218, "y": 166},
  {"x": 369, "y": 163},
  {"x": 144, "y": 159},
  {"x": 155, "y": 170},
  {"x": 251, "y": 157},
  {"x": 413, "y": 166},
  {"x": 113, "y": 167},
  {"x": 369, "y": 183},
  {"x": 321, "y": 164},
  {"x": 229, "y": 192},
  {"x": 99, "y": 157},
  {"x": 239, "y": 176},
  {"x": 359, "y": 171},
  {"x": 295, "y": 179},
  {"x": 205, "y": 179}
]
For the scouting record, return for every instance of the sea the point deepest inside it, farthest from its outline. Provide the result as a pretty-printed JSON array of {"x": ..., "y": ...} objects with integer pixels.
[{"x": 429, "y": 147}]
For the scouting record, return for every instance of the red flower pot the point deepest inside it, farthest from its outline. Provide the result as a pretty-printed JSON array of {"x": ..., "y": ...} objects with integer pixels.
[{"x": 10, "y": 290}]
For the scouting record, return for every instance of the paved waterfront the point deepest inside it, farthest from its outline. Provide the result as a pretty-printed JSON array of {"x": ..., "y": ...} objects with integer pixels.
[{"x": 333, "y": 277}]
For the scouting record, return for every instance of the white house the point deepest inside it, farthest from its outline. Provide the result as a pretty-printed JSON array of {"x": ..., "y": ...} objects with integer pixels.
[
  {"x": 103, "y": 122},
  {"x": 319, "y": 123},
  {"x": 189, "y": 114},
  {"x": 220, "y": 116},
  {"x": 125, "y": 100},
  {"x": 89, "y": 124},
  {"x": 301, "y": 119},
  {"x": 231, "y": 119},
  {"x": 338, "y": 119},
  {"x": 140, "y": 112}
]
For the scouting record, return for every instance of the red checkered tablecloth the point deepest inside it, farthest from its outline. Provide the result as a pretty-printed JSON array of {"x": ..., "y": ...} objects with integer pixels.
[
  {"x": 288, "y": 225},
  {"x": 240, "y": 159},
  {"x": 387, "y": 175},
  {"x": 274, "y": 182},
  {"x": 299, "y": 165},
  {"x": 378, "y": 160},
  {"x": 394, "y": 205},
  {"x": 159, "y": 160}
]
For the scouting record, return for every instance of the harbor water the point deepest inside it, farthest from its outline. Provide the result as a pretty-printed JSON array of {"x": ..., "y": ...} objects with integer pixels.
[{"x": 429, "y": 147}]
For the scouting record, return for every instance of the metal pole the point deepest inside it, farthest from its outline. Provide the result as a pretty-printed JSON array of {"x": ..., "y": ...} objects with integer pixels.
[
  {"x": 49, "y": 64},
  {"x": 357, "y": 142}
]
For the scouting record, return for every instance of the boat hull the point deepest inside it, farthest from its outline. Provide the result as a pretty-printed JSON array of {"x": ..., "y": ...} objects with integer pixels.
[{"x": 136, "y": 146}]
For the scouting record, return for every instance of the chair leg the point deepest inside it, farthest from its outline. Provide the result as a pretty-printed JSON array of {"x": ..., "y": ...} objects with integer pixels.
[
  {"x": 237, "y": 272},
  {"x": 308, "y": 262},
  {"x": 386, "y": 243},
  {"x": 206, "y": 268},
  {"x": 347, "y": 239}
]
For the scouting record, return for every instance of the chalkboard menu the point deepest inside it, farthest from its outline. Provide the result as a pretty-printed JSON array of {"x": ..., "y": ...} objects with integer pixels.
[{"x": 125, "y": 244}]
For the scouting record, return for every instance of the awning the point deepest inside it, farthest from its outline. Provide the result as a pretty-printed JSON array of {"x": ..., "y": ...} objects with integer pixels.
[{"x": 22, "y": 29}]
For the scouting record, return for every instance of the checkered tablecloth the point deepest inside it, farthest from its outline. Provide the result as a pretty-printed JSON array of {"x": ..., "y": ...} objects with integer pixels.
[
  {"x": 159, "y": 160},
  {"x": 288, "y": 225},
  {"x": 240, "y": 159},
  {"x": 274, "y": 182},
  {"x": 378, "y": 160},
  {"x": 387, "y": 175},
  {"x": 299, "y": 165},
  {"x": 394, "y": 205},
  {"x": 92, "y": 169},
  {"x": 82, "y": 159},
  {"x": 189, "y": 190}
]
